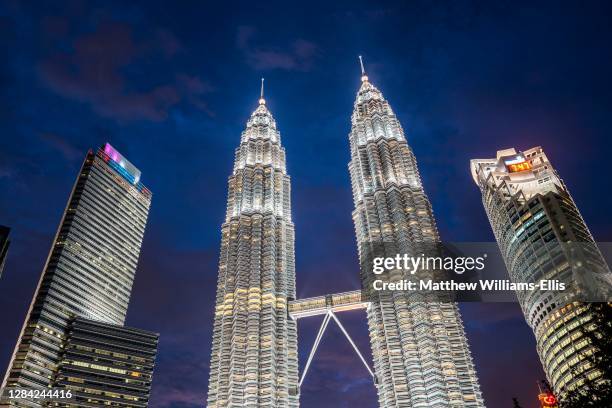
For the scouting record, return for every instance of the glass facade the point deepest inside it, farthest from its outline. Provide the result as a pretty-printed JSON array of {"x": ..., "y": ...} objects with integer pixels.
[
  {"x": 106, "y": 365},
  {"x": 542, "y": 235},
  {"x": 90, "y": 268}
]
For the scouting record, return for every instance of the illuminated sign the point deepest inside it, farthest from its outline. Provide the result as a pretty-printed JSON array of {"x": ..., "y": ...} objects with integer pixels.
[
  {"x": 122, "y": 165},
  {"x": 548, "y": 400},
  {"x": 517, "y": 164}
]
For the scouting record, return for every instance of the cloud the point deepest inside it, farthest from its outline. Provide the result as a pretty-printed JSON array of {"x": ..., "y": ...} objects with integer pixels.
[
  {"x": 5, "y": 172},
  {"x": 193, "y": 89},
  {"x": 62, "y": 145},
  {"x": 168, "y": 42},
  {"x": 244, "y": 35},
  {"x": 268, "y": 59},
  {"x": 299, "y": 55},
  {"x": 93, "y": 72},
  {"x": 305, "y": 49}
]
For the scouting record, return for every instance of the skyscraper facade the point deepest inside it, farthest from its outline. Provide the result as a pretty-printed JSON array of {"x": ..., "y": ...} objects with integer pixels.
[
  {"x": 91, "y": 265},
  {"x": 106, "y": 365},
  {"x": 254, "y": 350},
  {"x": 542, "y": 236},
  {"x": 421, "y": 355}
]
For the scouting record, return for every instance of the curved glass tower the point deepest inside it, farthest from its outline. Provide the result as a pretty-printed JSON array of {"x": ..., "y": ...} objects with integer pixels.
[
  {"x": 421, "y": 355},
  {"x": 254, "y": 353},
  {"x": 542, "y": 236}
]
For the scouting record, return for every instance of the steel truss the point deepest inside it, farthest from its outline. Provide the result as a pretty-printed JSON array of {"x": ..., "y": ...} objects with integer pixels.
[{"x": 328, "y": 316}]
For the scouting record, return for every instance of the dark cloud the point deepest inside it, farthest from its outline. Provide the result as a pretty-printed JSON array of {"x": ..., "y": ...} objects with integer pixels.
[
  {"x": 244, "y": 35},
  {"x": 93, "y": 72},
  {"x": 169, "y": 43},
  {"x": 194, "y": 89},
  {"x": 6, "y": 172},
  {"x": 62, "y": 145},
  {"x": 299, "y": 55},
  {"x": 55, "y": 25}
]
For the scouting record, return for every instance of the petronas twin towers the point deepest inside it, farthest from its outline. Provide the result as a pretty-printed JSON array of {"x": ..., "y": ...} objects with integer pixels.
[
  {"x": 421, "y": 355},
  {"x": 254, "y": 354}
]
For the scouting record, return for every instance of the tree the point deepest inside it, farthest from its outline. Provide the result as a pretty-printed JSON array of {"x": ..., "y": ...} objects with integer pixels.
[
  {"x": 516, "y": 403},
  {"x": 596, "y": 393}
]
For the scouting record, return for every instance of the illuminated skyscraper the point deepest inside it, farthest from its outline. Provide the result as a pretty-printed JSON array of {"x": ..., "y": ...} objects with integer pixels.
[
  {"x": 542, "y": 236},
  {"x": 91, "y": 266},
  {"x": 254, "y": 350},
  {"x": 421, "y": 354}
]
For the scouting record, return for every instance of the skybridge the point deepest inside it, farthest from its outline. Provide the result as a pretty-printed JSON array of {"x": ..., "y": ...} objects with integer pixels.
[
  {"x": 320, "y": 305},
  {"x": 328, "y": 306}
]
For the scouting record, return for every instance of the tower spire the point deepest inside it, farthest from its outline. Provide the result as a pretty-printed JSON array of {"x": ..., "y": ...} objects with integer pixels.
[
  {"x": 262, "y": 101},
  {"x": 364, "y": 77}
]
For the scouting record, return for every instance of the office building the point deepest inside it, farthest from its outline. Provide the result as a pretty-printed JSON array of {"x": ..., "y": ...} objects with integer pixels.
[
  {"x": 106, "y": 365},
  {"x": 542, "y": 236},
  {"x": 90, "y": 268}
]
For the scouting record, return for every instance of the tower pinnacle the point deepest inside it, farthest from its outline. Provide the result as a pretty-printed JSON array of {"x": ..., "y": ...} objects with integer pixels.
[
  {"x": 262, "y": 101},
  {"x": 364, "y": 77}
]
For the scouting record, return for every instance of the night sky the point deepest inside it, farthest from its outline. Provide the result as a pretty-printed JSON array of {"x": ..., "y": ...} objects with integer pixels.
[{"x": 171, "y": 86}]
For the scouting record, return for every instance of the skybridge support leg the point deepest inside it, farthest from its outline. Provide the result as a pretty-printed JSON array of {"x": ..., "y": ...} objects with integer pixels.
[
  {"x": 354, "y": 345},
  {"x": 328, "y": 316},
  {"x": 315, "y": 346}
]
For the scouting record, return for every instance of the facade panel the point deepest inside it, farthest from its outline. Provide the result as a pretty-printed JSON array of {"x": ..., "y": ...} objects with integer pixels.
[{"x": 106, "y": 365}]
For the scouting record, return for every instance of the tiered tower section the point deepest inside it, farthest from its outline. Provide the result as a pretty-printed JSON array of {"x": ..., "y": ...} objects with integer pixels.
[
  {"x": 421, "y": 355},
  {"x": 542, "y": 236},
  {"x": 254, "y": 353}
]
